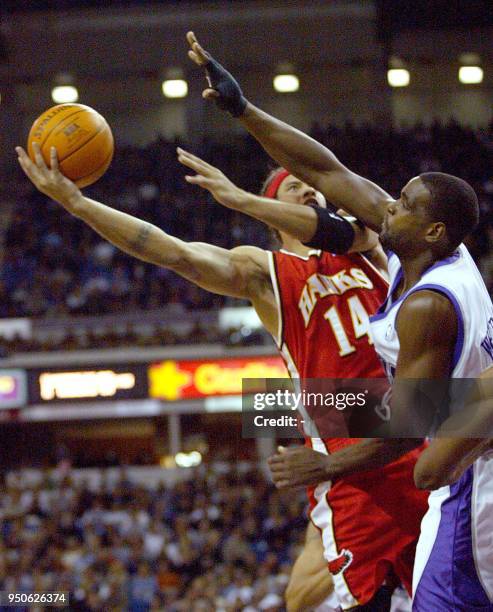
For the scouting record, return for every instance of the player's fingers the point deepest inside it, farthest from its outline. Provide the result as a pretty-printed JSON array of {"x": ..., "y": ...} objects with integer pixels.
[
  {"x": 186, "y": 160},
  {"x": 21, "y": 154},
  {"x": 196, "y": 180},
  {"x": 278, "y": 468},
  {"x": 193, "y": 56},
  {"x": 191, "y": 38},
  {"x": 210, "y": 94},
  {"x": 54, "y": 159},
  {"x": 38, "y": 158},
  {"x": 294, "y": 450},
  {"x": 186, "y": 155},
  {"x": 31, "y": 171},
  {"x": 288, "y": 479},
  {"x": 26, "y": 164},
  {"x": 279, "y": 477},
  {"x": 201, "y": 53},
  {"x": 199, "y": 180},
  {"x": 194, "y": 164}
]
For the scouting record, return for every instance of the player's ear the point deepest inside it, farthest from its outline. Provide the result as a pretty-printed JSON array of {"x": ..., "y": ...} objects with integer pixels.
[{"x": 436, "y": 232}]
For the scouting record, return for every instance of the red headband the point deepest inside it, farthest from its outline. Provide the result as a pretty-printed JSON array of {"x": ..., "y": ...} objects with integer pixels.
[{"x": 273, "y": 186}]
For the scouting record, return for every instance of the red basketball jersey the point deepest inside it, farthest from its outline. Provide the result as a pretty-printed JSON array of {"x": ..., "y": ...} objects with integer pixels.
[
  {"x": 324, "y": 302},
  {"x": 369, "y": 520}
]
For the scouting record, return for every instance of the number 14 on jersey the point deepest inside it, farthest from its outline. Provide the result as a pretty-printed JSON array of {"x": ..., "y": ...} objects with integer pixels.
[{"x": 360, "y": 321}]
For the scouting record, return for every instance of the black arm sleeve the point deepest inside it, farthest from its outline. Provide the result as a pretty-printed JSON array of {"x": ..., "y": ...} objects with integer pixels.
[{"x": 334, "y": 234}]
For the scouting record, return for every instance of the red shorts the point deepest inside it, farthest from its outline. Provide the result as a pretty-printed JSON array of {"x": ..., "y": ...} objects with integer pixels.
[{"x": 369, "y": 523}]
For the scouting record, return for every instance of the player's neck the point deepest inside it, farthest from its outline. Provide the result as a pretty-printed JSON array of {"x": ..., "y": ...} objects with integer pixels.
[
  {"x": 414, "y": 267},
  {"x": 294, "y": 246}
]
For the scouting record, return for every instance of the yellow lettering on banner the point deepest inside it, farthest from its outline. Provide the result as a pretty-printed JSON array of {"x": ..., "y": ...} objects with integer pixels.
[
  {"x": 206, "y": 378},
  {"x": 211, "y": 378}
]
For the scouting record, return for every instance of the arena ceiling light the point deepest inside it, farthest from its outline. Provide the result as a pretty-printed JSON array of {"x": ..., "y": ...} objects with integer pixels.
[
  {"x": 64, "y": 90},
  {"x": 470, "y": 75},
  {"x": 186, "y": 460},
  {"x": 398, "y": 77},
  {"x": 62, "y": 94},
  {"x": 175, "y": 88},
  {"x": 286, "y": 83}
]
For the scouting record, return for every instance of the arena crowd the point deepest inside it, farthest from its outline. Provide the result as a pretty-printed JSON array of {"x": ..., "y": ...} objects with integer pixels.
[
  {"x": 222, "y": 540},
  {"x": 54, "y": 265}
]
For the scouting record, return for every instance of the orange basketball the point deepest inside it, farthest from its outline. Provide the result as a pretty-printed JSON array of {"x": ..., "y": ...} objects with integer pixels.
[{"x": 82, "y": 138}]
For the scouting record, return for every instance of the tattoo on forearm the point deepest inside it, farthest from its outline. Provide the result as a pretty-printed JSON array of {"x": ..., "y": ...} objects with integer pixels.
[{"x": 139, "y": 242}]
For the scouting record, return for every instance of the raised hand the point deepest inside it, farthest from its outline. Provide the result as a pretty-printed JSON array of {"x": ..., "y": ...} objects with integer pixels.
[
  {"x": 197, "y": 54},
  {"x": 211, "y": 178},
  {"x": 49, "y": 181},
  {"x": 223, "y": 87}
]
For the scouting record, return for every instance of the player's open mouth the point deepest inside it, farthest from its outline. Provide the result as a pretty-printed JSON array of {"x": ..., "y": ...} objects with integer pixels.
[{"x": 311, "y": 202}]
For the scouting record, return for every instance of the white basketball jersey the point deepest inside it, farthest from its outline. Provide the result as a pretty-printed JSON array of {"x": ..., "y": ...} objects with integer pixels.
[
  {"x": 458, "y": 278},
  {"x": 454, "y": 556}
]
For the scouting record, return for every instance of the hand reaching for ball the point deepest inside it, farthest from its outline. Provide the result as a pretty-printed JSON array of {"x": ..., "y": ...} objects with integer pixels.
[
  {"x": 211, "y": 178},
  {"x": 49, "y": 181}
]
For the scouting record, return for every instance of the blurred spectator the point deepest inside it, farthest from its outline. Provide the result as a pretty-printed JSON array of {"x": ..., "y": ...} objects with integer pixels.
[{"x": 123, "y": 545}]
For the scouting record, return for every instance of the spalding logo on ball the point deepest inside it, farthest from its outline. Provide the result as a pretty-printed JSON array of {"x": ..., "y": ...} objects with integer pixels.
[{"x": 82, "y": 138}]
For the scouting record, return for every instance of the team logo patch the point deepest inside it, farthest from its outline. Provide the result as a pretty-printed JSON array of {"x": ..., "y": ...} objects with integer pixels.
[{"x": 341, "y": 563}]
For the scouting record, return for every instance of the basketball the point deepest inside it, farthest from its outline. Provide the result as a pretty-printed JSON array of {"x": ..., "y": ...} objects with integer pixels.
[{"x": 82, "y": 138}]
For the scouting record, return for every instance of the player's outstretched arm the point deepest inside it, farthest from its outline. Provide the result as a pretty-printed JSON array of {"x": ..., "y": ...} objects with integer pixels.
[
  {"x": 298, "y": 221},
  {"x": 300, "y": 466},
  {"x": 241, "y": 272},
  {"x": 303, "y": 156}
]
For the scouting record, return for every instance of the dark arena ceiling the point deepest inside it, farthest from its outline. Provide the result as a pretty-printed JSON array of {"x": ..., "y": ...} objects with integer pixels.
[{"x": 393, "y": 15}]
